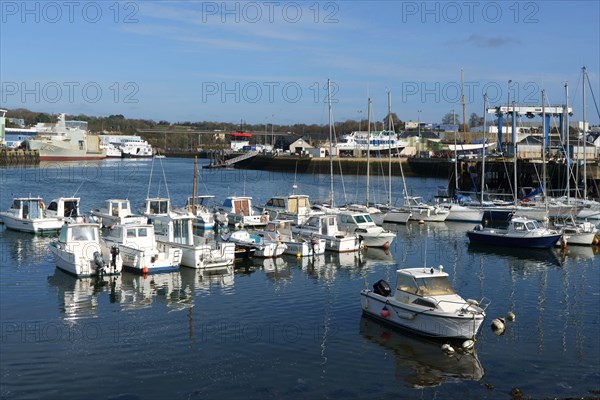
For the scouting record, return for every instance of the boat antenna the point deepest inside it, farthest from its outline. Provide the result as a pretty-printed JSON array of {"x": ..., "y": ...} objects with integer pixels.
[
  {"x": 150, "y": 179},
  {"x": 79, "y": 187}
]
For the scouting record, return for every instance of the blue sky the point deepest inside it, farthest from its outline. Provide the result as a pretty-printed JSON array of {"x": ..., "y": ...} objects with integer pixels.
[{"x": 268, "y": 62}]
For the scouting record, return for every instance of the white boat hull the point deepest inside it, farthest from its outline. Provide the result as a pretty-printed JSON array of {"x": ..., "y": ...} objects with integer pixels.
[
  {"x": 305, "y": 248},
  {"x": 464, "y": 214},
  {"x": 202, "y": 256},
  {"x": 84, "y": 265},
  {"x": 420, "y": 320},
  {"x": 150, "y": 260},
  {"x": 38, "y": 225},
  {"x": 383, "y": 239},
  {"x": 428, "y": 215},
  {"x": 397, "y": 217}
]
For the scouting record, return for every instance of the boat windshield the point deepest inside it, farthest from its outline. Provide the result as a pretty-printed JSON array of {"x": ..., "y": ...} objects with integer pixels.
[
  {"x": 429, "y": 286},
  {"x": 532, "y": 225},
  {"x": 84, "y": 233},
  {"x": 363, "y": 218}
]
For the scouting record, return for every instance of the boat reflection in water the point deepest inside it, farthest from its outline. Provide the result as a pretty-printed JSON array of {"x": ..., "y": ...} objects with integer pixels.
[
  {"x": 528, "y": 260},
  {"x": 79, "y": 297},
  {"x": 421, "y": 362},
  {"x": 203, "y": 281}
]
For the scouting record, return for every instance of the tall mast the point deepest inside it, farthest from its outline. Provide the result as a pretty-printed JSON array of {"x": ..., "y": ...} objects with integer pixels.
[
  {"x": 514, "y": 137},
  {"x": 368, "y": 148},
  {"x": 455, "y": 158},
  {"x": 330, "y": 143},
  {"x": 583, "y": 72},
  {"x": 462, "y": 90},
  {"x": 483, "y": 151},
  {"x": 544, "y": 144},
  {"x": 192, "y": 204},
  {"x": 566, "y": 132},
  {"x": 390, "y": 130}
]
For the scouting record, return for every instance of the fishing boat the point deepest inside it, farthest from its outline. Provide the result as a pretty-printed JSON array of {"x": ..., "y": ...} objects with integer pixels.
[
  {"x": 175, "y": 232},
  {"x": 363, "y": 225},
  {"x": 324, "y": 226},
  {"x": 139, "y": 249},
  {"x": 116, "y": 211},
  {"x": 281, "y": 231},
  {"x": 205, "y": 217},
  {"x": 421, "y": 211},
  {"x": 520, "y": 232},
  {"x": 425, "y": 303},
  {"x": 79, "y": 252},
  {"x": 239, "y": 211},
  {"x": 263, "y": 247},
  {"x": 295, "y": 207},
  {"x": 66, "y": 208},
  {"x": 26, "y": 214}
]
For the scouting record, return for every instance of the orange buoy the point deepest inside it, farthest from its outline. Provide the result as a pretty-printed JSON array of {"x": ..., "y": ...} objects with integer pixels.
[
  {"x": 145, "y": 270},
  {"x": 385, "y": 312}
]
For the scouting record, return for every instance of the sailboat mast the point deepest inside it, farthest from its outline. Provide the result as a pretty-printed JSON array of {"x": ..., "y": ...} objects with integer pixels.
[
  {"x": 390, "y": 130},
  {"x": 330, "y": 143},
  {"x": 514, "y": 135},
  {"x": 192, "y": 203},
  {"x": 368, "y": 148},
  {"x": 462, "y": 90},
  {"x": 544, "y": 144},
  {"x": 566, "y": 133},
  {"x": 483, "y": 150},
  {"x": 583, "y": 72},
  {"x": 455, "y": 161}
]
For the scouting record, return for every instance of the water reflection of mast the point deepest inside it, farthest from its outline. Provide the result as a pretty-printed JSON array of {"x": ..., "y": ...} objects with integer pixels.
[{"x": 541, "y": 306}]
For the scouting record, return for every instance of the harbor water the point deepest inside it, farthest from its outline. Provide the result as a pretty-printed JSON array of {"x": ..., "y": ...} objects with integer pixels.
[{"x": 286, "y": 328}]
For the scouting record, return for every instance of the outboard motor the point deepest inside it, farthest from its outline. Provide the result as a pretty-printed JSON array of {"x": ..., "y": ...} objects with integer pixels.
[
  {"x": 114, "y": 252},
  {"x": 99, "y": 261},
  {"x": 382, "y": 288}
]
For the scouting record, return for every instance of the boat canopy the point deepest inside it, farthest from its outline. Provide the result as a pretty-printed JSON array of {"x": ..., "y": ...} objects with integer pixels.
[{"x": 434, "y": 285}]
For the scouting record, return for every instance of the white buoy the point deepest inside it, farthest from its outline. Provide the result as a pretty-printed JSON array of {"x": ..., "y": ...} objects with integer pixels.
[
  {"x": 498, "y": 326},
  {"x": 511, "y": 316},
  {"x": 468, "y": 345},
  {"x": 446, "y": 348}
]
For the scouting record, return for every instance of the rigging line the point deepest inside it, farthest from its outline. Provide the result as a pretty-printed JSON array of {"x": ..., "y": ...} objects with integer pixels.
[
  {"x": 165, "y": 179},
  {"x": 150, "y": 179},
  {"x": 593, "y": 97}
]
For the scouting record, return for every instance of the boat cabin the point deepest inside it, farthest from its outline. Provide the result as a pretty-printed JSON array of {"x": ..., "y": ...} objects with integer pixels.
[
  {"x": 523, "y": 225},
  {"x": 27, "y": 208},
  {"x": 64, "y": 207},
  {"x": 157, "y": 206},
  {"x": 118, "y": 208},
  {"x": 139, "y": 236},
  {"x": 360, "y": 220},
  {"x": 239, "y": 205},
  {"x": 278, "y": 227},
  {"x": 86, "y": 232},
  {"x": 294, "y": 204},
  {"x": 174, "y": 229},
  {"x": 322, "y": 224},
  {"x": 425, "y": 282}
]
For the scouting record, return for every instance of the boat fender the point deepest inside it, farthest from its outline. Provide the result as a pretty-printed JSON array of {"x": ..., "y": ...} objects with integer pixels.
[
  {"x": 498, "y": 326},
  {"x": 145, "y": 270},
  {"x": 446, "y": 348},
  {"x": 384, "y": 312},
  {"x": 478, "y": 227},
  {"x": 468, "y": 345},
  {"x": 511, "y": 316},
  {"x": 263, "y": 218}
]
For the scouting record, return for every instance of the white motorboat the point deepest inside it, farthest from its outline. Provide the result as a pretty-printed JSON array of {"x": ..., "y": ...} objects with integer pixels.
[
  {"x": 263, "y": 248},
  {"x": 295, "y": 207},
  {"x": 281, "y": 231},
  {"x": 239, "y": 211},
  {"x": 175, "y": 232},
  {"x": 156, "y": 206},
  {"x": 580, "y": 233},
  {"x": 26, "y": 214},
  {"x": 421, "y": 211},
  {"x": 135, "y": 147},
  {"x": 116, "y": 211},
  {"x": 520, "y": 232},
  {"x": 66, "y": 208},
  {"x": 324, "y": 226},
  {"x": 424, "y": 302},
  {"x": 363, "y": 225},
  {"x": 139, "y": 249},
  {"x": 79, "y": 252}
]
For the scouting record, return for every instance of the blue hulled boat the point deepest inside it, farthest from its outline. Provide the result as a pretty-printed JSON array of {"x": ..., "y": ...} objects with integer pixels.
[{"x": 520, "y": 232}]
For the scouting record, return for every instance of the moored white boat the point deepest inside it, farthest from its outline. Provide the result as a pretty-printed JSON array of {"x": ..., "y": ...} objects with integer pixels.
[
  {"x": 139, "y": 250},
  {"x": 295, "y": 207},
  {"x": 239, "y": 211},
  {"x": 263, "y": 248},
  {"x": 363, "y": 225},
  {"x": 421, "y": 211},
  {"x": 116, "y": 211},
  {"x": 425, "y": 303},
  {"x": 26, "y": 214},
  {"x": 281, "y": 231},
  {"x": 325, "y": 226},
  {"x": 175, "y": 232},
  {"x": 79, "y": 252}
]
